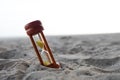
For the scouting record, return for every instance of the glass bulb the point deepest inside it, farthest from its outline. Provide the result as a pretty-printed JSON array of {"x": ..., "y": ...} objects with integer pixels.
[
  {"x": 45, "y": 57},
  {"x": 44, "y": 54}
]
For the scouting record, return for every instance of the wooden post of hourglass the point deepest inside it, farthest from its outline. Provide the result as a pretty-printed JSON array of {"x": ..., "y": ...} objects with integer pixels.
[{"x": 35, "y": 28}]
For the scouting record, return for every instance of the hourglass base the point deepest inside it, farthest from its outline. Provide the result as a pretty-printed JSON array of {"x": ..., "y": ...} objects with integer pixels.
[{"x": 57, "y": 65}]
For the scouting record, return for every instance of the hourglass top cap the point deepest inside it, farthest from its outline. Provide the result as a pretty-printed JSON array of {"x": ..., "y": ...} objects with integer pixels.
[{"x": 34, "y": 27}]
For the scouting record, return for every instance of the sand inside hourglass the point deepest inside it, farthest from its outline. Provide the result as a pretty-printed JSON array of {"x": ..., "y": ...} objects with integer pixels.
[{"x": 44, "y": 54}]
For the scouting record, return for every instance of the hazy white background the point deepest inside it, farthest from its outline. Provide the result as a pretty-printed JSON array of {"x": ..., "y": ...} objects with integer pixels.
[{"x": 60, "y": 17}]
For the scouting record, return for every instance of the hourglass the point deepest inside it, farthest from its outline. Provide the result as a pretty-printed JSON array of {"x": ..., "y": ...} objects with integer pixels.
[{"x": 34, "y": 31}]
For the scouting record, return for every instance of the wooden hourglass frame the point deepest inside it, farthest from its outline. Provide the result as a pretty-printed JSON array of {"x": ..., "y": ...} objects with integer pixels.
[{"x": 36, "y": 28}]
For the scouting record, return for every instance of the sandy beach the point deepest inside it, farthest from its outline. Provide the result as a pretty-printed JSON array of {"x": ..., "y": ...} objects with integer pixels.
[{"x": 82, "y": 57}]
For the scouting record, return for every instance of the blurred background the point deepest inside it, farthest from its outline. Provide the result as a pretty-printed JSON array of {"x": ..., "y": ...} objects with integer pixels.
[{"x": 60, "y": 17}]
